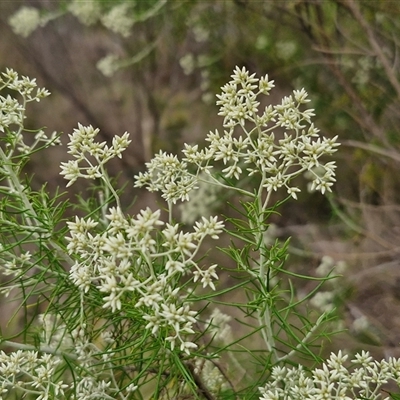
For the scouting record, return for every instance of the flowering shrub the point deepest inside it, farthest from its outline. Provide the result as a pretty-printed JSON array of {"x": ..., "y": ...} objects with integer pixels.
[{"x": 114, "y": 306}]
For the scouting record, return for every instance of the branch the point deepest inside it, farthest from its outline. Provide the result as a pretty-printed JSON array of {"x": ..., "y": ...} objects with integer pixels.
[{"x": 353, "y": 7}]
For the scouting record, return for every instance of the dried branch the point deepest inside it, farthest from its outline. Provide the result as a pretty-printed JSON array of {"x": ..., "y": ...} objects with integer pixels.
[{"x": 353, "y": 7}]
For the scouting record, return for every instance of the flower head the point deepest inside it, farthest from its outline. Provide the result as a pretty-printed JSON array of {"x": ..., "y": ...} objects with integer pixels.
[
  {"x": 118, "y": 19},
  {"x": 25, "y": 21}
]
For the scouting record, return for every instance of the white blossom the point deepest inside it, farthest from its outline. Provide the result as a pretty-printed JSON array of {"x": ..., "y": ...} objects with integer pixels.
[
  {"x": 82, "y": 146},
  {"x": 118, "y": 19},
  {"x": 363, "y": 378},
  {"x": 25, "y": 21},
  {"x": 109, "y": 65},
  {"x": 219, "y": 326},
  {"x": 87, "y": 12},
  {"x": 277, "y": 161}
]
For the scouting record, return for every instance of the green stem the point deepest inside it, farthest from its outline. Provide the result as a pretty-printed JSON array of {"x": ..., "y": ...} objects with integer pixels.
[
  {"x": 30, "y": 214},
  {"x": 109, "y": 187},
  {"x": 216, "y": 182},
  {"x": 264, "y": 315},
  {"x": 306, "y": 338},
  {"x": 170, "y": 212}
]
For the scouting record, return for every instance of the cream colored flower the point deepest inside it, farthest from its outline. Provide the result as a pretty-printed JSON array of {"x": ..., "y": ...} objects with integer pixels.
[
  {"x": 87, "y": 12},
  {"x": 25, "y": 21},
  {"x": 118, "y": 19}
]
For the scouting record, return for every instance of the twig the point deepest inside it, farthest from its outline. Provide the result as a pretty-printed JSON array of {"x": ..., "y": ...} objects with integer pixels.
[
  {"x": 353, "y": 7},
  {"x": 373, "y": 149}
]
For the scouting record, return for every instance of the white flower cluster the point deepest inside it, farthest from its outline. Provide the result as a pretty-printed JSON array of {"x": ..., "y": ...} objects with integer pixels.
[
  {"x": 82, "y": 147},
  {"x": 325, "y": 300},
  {"x": 166, "y": 174},
  {"x": 277, "y": 161},
  {"x": 53, "y": 332},
  {"x": 39, "y": 369},
  {"x": 255, "y": 151},
  {"x": 95, "y": 379},
  {"x": 25, "y": 21},
  {"x": 362, "y": 380},
  {"x": 12, "y": 112},
  {"x": 139, "y": 261},
  {"x": 87, "y": 12},
  {"x": 211, "y": 375},
  {"x": 118, "y": 19},
  {"x": 39, "y": 373},
  {"x": 13, "y": 264},
  {"x": 218, "y": 326},
  {"x": 109, "y": 64}
]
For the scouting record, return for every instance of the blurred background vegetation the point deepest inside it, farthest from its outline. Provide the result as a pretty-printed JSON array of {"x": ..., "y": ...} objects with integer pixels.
[{"x": 158, "y": 81}]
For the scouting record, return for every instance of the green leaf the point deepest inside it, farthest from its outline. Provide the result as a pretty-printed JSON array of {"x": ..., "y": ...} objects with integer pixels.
[{"x": 394, "y": 396}]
